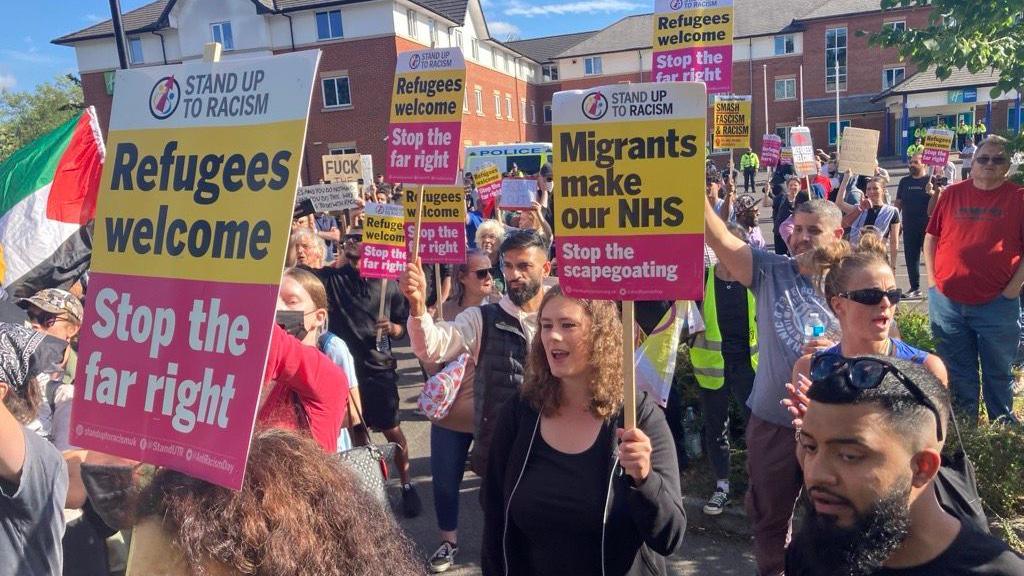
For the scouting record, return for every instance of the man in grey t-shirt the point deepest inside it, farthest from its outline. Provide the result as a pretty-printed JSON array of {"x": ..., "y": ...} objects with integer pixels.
[
  {"x": 787, "y": 301},
  {"x": 33, "y": 474}
]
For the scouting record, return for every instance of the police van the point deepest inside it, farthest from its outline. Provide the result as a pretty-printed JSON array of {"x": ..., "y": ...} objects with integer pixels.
[{"x": 528, "y": 156}]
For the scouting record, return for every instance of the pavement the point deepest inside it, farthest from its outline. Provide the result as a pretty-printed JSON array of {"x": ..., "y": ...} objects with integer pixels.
[{"x": 719, "y": 545}]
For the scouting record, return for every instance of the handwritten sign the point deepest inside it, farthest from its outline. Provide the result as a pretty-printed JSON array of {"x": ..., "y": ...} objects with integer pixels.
[
  {"x": 342, "y": 167},
  {"x": 330, "y": 197},
  {"x": 518, "y": 193},
  {"x": 858, "y": 150}
]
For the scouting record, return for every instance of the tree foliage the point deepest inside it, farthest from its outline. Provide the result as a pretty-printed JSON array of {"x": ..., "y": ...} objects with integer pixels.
[{"x": 25, "y": 116}]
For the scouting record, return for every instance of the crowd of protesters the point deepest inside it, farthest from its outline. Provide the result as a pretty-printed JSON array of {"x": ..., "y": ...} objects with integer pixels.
[{"x": 843, "y": 420}]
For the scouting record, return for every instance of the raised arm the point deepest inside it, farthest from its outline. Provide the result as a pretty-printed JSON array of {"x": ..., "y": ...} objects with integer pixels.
[{"x": 733, "y": 253}]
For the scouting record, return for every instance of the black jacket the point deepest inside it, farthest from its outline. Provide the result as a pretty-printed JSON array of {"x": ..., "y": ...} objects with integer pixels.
[{"x": 641, "y": 524}]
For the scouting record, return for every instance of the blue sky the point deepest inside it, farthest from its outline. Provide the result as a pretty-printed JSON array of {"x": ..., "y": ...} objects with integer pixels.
[{"x": 27, "y": 57}]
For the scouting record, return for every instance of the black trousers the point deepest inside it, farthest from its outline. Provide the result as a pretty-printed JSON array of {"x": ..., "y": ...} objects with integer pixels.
[
  {"x": 748, "y": 179},
  {"x": 913, "y": 243},
  {"x": 739, "y": 381}
]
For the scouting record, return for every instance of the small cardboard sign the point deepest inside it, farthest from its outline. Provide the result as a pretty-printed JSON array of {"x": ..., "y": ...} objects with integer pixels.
[
  {"x": 518, "y": 193},
  {"x": 858, "y": 150},
  {"x": 330, "y": 197},
  {"x": 342, "y": 167}
]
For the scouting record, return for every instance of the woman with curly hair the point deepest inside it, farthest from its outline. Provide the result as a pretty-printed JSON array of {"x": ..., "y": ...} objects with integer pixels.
[
  {"x": 567, "y": 490},
  {"x": 299, "y": 512}
]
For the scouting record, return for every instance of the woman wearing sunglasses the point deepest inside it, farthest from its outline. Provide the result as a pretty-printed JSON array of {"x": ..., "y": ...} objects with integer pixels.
[
  {"x": 451, "y": 436},
  {"x": 860, "y": 288}
]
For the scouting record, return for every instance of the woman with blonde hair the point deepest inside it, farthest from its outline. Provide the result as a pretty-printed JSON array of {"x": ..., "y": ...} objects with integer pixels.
[
  {"x": 306, "y": 248},
  {"x": 567, "y": 489},
  {"x": 872, "y": 213}
]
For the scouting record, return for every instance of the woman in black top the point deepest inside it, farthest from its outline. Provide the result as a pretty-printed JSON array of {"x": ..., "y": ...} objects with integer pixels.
[
  {"x": 783, "y": 207},
  {"x": 567, "y": 490}
]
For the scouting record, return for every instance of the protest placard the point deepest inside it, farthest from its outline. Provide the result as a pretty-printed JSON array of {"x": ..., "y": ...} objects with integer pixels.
[
  {"x": 186, "y": 262},
  {"x": 936, "y": 147},
  {"x": 366, "y": 162},
  {"x": 731, "y": 121},
  {"x": 629, "y": 163},
  {"x": 330, "y": 197},
  {"x": 804, "y": 161},
  {"x": 488, "y": 182},
  {"x": 518, "y": 193},
  {"x": 786, "y": 156},
  {"x": 384, "y": 254},
  {"x": 693, "y": 43},
  {"x": 443, "y": 227},
  {"x": 771, "y": 149},
  {"x": 858, "y": 151},
  {"x": 342, "y": 167},
  {"x": 426, "y": 117}
]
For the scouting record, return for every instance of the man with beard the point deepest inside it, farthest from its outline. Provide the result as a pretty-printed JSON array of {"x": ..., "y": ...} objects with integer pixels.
[
  {"x": 496, "y": 336},
  {"x": 788, "y": 308},
  {"x": 870, "y": 449},
  {"x": 353, "y": 316},
  {"x": 912, "y": 198}
]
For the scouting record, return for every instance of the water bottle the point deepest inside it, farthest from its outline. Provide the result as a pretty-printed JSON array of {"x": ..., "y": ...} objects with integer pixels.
[
  {"x": 383, "y": 342},
  {"x": 814, "y": 327},
  {"x": 691, "y": 432}
]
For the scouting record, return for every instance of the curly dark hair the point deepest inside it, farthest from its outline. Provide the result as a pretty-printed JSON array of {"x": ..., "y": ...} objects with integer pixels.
[
  {"x": 543, "y": 391},
  {"x": 299, "y": 512}
]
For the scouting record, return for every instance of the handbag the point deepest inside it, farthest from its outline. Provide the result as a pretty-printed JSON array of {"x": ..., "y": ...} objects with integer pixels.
[
  {"x": 439, "y": 391},
  {"x": 368, "y": 464}
]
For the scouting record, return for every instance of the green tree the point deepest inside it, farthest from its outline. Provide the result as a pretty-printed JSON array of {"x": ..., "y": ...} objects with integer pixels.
[{"x": 24, "y": 116}]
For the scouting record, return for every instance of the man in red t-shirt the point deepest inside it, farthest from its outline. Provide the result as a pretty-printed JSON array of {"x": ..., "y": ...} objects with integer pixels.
[{"x": 973, "y": 250}]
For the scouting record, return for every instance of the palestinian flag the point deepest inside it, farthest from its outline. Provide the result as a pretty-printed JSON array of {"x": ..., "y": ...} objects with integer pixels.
[{"x": 47, "y": 201}]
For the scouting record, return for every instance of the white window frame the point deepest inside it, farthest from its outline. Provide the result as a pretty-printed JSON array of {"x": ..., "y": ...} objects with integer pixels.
[
  {"x": 334, "y": 79},
  {"x": 788, "y": 44},
  {"x": 432, "y": 31},
  {"x": 786, "y": 84},
  {"x": 343, "y": 150},
  {"x": 547, "y": 112},
  {"x": 411, "y": 27},
  {"x": 782, "y": 131},
  {"x": 458, "y": 38},
  {"x": 330, "y": 30},
  {"x": 508, "y": 108},
  {"x": 494, "y": 57},
  {"x": 549, "y": 72},
  {"x": 474, "y": 49},
  {"x": 841, "y": 83},
  {"x": 886, "y": 84},
  {"x": 465, "y": 101},
  {"x": 895, "y": 24},
  {"x": 522, "y": 110},
  {"x": 533, "y": 111},
  {"x": 497, "y": 105},
  {"x": 479, "y": 95},
  {"x": 134, "y": 41},
  {"x": 226, "y": 41},
  {"x": 592, "y": 66}
]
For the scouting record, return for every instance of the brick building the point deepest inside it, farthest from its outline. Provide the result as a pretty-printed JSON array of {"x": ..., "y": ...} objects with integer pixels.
[{"x": 510, "y": 85}]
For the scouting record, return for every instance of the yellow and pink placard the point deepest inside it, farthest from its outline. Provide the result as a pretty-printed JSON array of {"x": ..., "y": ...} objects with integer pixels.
[
  {"x": 443, "y": 226},
  {"x": 192, "y": 225},
  {"x": 629, "y": 163},
  {"x": 693, "y": 43}
]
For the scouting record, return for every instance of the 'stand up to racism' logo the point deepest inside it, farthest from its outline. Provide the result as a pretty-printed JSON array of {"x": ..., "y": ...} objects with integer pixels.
[
  {"x": 164, "y": 98},
  {"x": 414, "y": 61},
  {"x": 676, "y": 4},
  {"x": 595, "y": 106}
]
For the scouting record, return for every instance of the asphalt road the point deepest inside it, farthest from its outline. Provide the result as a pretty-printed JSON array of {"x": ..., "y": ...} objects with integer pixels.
[{"x": 703, "y": 552}]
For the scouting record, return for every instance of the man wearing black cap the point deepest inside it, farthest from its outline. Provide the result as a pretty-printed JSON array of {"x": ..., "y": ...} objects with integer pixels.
[{"x": 870, "y": 449}]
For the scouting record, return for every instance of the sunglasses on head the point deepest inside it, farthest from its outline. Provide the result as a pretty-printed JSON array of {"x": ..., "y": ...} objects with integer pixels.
[
  {"x": 872, "y": 296},
  {"x": 994, "y": 160},
  {"x": 868, "y": 373}
]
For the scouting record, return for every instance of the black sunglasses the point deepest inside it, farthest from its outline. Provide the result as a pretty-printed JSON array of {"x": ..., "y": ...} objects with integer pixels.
[
  {"x": 868, "y": 373},
  {"x": 481, "y": 274},
  {"x": 995, "y": 160},
  {"x": 872, "y": 296}
]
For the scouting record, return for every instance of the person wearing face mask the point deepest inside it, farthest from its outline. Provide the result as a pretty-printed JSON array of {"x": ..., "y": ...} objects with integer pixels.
[
  {"x": 353, "y": 313},
  {"x": 912, "y": 199},
  {"x": 870, "y": 450},
  {"x": 303, "y": 293},
  {"x": 973, "y": 250},
  {"x": 496, "y": 336},
  {"x": 568, "y": 490}
]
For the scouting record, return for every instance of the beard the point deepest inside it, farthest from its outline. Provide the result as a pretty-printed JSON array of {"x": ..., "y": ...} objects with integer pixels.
[
  {"x": 523, "y": 293},
  {"x": 858, "y": 550}
]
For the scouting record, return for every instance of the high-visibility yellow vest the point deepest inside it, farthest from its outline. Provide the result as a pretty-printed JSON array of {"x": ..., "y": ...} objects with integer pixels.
[
  {"x": 915, "y": 149},
  {"x": 706, "y": 352},
  {"x": 749, "y": 160},
  {"x": 980, "y": 129}
]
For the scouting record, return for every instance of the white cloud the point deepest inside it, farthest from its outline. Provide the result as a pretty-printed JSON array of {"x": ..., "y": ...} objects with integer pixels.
[
  {"x": 502, "y": 29},
  {"x": 580, "y": 7},
  {"x": 30, "y": 56},
  {"x": 93, "y": 18},
  {"x": 7, "y": 81}
]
